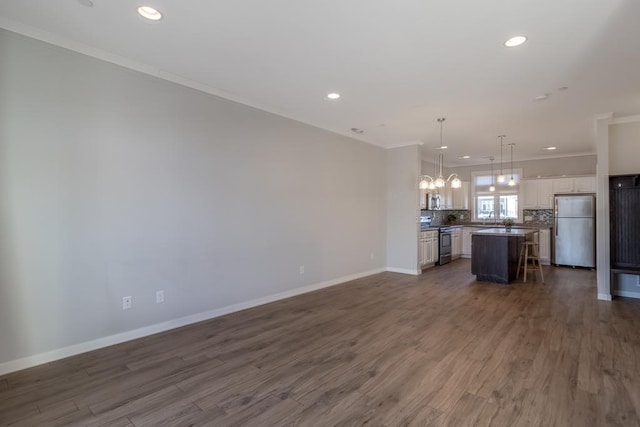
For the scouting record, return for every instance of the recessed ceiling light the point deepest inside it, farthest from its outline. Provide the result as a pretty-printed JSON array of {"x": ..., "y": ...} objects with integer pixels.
[
  {"x": 356, "y": 130},
  {"x": 542, "y": 97},
  {"x": 515, "y": 41},
  {"x": 87, "y": 3},
  {"x": 333, "y": 95},
  {"x": 464, "y": 157},
  {"x": 443, "y": 147},
  {"x": 563, "y": 88},
  {"x": 149, "y": 13},
  {"x": 550, "y": 148}
]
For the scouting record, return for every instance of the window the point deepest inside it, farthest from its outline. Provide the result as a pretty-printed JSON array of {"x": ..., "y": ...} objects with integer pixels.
[{"x": 500, "y": 204}]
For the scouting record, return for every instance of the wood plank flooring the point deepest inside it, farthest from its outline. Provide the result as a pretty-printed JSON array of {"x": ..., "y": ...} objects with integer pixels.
[{"x": 436, "y": 350}]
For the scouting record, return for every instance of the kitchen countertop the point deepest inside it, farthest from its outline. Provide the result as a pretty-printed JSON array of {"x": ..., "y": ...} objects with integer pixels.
[
  {"x": 503, "y": 232},
  {"x": 490, "y": 226},
  {"x": 480, "y": 225}
]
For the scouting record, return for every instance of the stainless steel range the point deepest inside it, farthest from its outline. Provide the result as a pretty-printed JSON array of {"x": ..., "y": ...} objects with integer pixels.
[{"x": 444, "y": 245}]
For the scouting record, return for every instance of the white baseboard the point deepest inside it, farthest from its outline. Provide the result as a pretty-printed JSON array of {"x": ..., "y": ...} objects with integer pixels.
[
  {"x": 604, "y": 297},
  {"x": 628, "y": 294},
  {"x": 61, "y": 353},
  {"x": 415, "y": 272}
]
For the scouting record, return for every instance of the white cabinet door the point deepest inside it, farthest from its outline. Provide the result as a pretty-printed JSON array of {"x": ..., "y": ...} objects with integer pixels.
[
  {"x": 581, "y": 184},
  {"x": 530, "y": 190},
  {"x": 424, "y": 204},
  {"x": 544, "y": 241},
  {"x": 428, "y": 248},
  {"x": 466, "y": 241},
  {"x": 585, "y": 184},
  {"x": 434, "y": 249},
  {"x": 456, "y": 243},
  {"x": 538, "y": 193},
  {"x": 461, "y": 196},
  {"x": 428, "y": 256},
  {"x": 562, "y": 185},
  {"x": 545, "y": 193}
]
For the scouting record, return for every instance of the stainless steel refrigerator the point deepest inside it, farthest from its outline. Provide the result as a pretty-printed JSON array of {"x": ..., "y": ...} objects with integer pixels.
[{"x": 574, "y": 231}]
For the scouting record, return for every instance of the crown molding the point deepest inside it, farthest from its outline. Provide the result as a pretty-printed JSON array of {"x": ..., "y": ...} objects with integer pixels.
[
  {"x": 404, "y": 144},
  {"x": 625, "y": 119}
]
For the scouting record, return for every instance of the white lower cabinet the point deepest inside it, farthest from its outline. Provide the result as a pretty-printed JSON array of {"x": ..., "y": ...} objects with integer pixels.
[
  {"x": 428, "y": 248},
  {"x": 456, "y": 243},
  {"x": 466, "y": 241},
  {"x": 545, "y": 246}
]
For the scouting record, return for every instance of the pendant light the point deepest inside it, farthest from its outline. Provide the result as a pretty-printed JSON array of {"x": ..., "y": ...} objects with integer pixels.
[
  {"x": 501, "y": 178},
  {"x": 492, "y": 187},
  {"x": 453, "y": 178},
  {"x": 428, "y": 182},
  {"x": 440, "y": 179},
  {"x": 512, "y": 182}
]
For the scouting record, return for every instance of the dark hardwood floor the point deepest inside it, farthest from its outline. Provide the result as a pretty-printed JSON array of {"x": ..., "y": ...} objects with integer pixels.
[{"x": 390, "y": 349}]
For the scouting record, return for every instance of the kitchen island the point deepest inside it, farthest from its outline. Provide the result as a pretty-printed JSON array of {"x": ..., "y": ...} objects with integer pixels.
[{"x": 494, "y": 254}]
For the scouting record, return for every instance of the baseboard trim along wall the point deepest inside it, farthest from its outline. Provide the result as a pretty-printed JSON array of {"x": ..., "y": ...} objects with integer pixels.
[
  {"x": 604, "y": 297},
  {"x": 403, "y": 271},
  {"x": 72, "y": 350},
  {"x": 627, "y": 294}
]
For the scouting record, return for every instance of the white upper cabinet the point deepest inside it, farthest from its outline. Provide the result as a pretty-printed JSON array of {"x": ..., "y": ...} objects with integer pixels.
[
  {"x": 585, "y": 184},
  {"x": 538, "y": 193},
  {"x": 581, "y": 184},
  {"x": 461, "y": 196},
  {"x": 455, "y": 198}
]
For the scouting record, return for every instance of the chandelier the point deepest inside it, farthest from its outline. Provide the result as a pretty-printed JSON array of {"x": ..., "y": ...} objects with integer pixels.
[{"x": 428, "y": 182}]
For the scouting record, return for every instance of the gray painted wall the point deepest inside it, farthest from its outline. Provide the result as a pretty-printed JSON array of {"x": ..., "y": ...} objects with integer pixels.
[
  {"x": 578, "y": 165},
  {"x": 115, "y": 183},
  {"x": 403, "y": 208},
  {"x": 624, "y": 142}
]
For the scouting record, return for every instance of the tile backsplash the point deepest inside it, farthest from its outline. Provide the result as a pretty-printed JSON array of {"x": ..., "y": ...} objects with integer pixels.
[
  {"x": 439, "y": 217},
  {"x": 531, "y": 216},
  {"x": 538, "y": 216}
]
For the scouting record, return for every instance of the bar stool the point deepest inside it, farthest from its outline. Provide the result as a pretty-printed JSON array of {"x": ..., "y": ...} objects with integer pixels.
[{"x": 527, "y": 255}]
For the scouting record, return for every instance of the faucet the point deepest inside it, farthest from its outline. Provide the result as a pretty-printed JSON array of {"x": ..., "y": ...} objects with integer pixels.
[{"x": 495, "y": 219}]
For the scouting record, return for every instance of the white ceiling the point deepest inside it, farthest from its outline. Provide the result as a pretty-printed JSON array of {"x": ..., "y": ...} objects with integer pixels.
[{"x": 399, "y": 64}]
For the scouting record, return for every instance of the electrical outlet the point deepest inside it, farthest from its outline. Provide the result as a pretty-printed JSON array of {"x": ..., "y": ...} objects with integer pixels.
[
  {"x": 302, "y": 269},
  {"x": 371, "y": 256},
  {"x": 159, "y": 297},
  {"x": 126, "y": 303}
]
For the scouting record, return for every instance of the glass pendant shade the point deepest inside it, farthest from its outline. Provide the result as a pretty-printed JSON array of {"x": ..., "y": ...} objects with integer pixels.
[
  {"x": 456, "y": 183},
  {"x": 439, "y": 182},
  {"x": 424, "y": 184},
  {"x": 432, "y": 185},
  {"x": 512, "y": 182},
  {"x": 492, "y": 188},
  {"x": 501, "y": 178}
]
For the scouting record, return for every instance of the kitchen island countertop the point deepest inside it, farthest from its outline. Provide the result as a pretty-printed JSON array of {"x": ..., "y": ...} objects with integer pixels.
[{"x": 504, "y": 232}]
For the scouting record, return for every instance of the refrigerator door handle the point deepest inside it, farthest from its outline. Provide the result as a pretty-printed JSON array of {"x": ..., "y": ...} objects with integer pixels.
[{"x": 555, "y": 216}]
